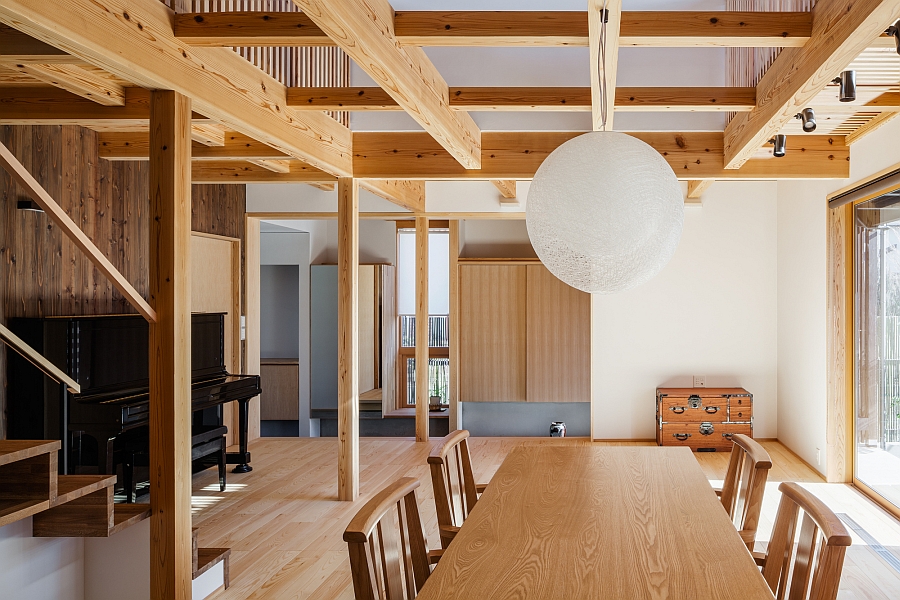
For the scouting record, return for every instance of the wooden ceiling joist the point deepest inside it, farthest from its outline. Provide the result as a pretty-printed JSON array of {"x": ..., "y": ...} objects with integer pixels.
[
  {"x": 841, "y": 30},
  {"x": 134, "y": 40},
  {"x": 235, "y": 146},
  {"x": 565, "y": 99},
  {"x": 696, "y": 187},
  {"x": 509, "y": 28},
  {"x": 517, "y": 155},
  {"x": 233, "y": 171},
  {"x": 506, "y": 187},
  {"x": 19, "y": 48},
  {"x": 404, "y": 193},
  {"x": 276, "y": 166},
  {"x": 76, "y": 80},
  {"x": 364, "y": 29}
]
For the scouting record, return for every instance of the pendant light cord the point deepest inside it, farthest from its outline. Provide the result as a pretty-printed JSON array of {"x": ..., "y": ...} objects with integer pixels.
[{"x": 604, "y": 17}]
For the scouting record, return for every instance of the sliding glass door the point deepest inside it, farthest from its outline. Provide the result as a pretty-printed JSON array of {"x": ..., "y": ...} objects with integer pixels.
[{"x": 877, "y": 341}]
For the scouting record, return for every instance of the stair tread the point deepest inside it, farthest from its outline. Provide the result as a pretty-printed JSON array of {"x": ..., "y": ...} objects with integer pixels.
[
  {"x": 209, "y": 557},
  {"x": 16, "y": 450},
  {"x": 126, "y": 515},
  {"x": 70, "y": 487},
  {"x": 15, "y": 510}
]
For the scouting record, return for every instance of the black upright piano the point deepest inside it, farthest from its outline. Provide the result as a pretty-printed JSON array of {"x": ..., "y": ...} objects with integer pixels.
[{"x": 108, "y": 357}]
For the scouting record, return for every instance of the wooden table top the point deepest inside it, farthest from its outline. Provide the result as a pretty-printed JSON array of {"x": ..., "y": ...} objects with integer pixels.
[{"x": 597, "y": 522}]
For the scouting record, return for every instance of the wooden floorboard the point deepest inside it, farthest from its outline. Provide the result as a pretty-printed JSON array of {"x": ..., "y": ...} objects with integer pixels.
[{"x": 284, "y": 524}]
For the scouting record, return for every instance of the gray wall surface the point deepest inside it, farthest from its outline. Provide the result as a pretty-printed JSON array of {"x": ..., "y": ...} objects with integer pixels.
[
  {"x": 525, "y": 419},
  {"x": 323, "y": 339},
  {"x": 279, "y": 317}
]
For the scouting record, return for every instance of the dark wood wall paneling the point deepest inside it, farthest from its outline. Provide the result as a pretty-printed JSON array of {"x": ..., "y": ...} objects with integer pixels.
[{"x": 41, "y": 272}]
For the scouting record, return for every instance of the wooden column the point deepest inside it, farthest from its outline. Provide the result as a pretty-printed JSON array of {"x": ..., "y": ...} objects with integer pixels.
[
  {"x": 455, "y": 415},
  {"x": 422, "y": 392},
  {"x": 170, "y": 346},
  {"x": 348, "y": 339},
  {"x": 251, "y": 356}
]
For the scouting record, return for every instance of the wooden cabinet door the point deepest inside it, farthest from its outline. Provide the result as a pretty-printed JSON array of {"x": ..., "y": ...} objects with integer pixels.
[
  {"x": 559, "y": 339},
  {"x": 492, "y": 333}
]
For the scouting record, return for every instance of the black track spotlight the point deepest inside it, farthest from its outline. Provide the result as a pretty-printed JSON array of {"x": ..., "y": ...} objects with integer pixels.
[
  {"x": 808, "y": 116},
  {"x": 847, "y": 80},
  {"x": 780, "y": 143},
  {"x": 894, "y": 30}
]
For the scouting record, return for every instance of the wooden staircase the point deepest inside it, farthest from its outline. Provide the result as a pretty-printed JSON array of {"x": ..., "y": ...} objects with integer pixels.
[
  {"x": 61, "y": 505},
  {"x": 204, "y": 559}
]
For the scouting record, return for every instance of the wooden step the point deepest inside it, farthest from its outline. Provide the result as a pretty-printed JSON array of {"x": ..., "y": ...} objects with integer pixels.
[
  {"x": 28, "y": 478},
  {"x": 72, "y": 487},
  {"x": 195, "y": 545},
  {"x": 126, "y": 515},
  {"x": 84, "y": 510},
  {"x": 209, "y": 557}
]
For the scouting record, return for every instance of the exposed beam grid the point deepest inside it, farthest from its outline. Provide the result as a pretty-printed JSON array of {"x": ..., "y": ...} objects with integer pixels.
[
  {"x": 134, "y": 40},
  {"x": 841, "y": 30},
  {"x": 365, "y": 30}
]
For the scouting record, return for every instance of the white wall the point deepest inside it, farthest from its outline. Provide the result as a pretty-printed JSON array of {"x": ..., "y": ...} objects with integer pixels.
[
  {"x": 802, "y": 318},
  {"x": 711, "y": 311},
  {"x": 40, "y": 567}
]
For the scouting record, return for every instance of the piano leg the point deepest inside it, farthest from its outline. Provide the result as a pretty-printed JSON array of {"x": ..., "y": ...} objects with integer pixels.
[{"x": 243, "y": 457}]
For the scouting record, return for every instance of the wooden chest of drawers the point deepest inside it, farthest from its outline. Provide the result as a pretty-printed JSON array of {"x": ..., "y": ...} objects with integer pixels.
[{"x": 703, "y": 419}]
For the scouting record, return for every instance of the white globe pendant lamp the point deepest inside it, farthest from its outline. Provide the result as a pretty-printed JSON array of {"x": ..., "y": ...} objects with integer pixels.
[{"x": 605, "y": 212}]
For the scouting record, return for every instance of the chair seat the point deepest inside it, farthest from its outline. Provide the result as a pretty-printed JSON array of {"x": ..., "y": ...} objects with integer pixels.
[{"x": 205, "y": 433}]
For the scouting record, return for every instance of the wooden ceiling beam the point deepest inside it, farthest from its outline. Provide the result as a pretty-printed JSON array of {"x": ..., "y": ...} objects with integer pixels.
[
  {"x": 233, "y": 171},
  {"x": 841, "y": 30},
  {"x": 276, "y": 166},
  {"x": 404, "y": 193},
  {"x": 566, "y": 99},
  {"x": 365, "y": 30},
  {"x": 517, "y": 155},
  {"x": 76, "y": 80},
  {"x": 506, "y": 187},
  {"x": 696, "y": 187},
  {"x": 509, "y": 28},
  {"x": 235, "y": 146},
  {"x": 603, "y": 34},
  {"x": 134, "y": 40},
  {"x": 19, "y": 48}
]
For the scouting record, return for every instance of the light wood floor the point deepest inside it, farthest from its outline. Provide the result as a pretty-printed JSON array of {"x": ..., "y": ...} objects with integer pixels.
[{"x": 284, "y": 525}]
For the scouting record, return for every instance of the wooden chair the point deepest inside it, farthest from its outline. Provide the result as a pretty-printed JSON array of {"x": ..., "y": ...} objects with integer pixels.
[
  {"x": 388, "y": 558},
  {"x": 813, "y": 567},
  {"x": 744, "y": 486},
  {"x": 455, "y": 491}
]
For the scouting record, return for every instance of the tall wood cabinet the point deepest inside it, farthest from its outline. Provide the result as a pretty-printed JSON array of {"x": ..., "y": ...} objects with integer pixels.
[{"x": 524, "y": 335}]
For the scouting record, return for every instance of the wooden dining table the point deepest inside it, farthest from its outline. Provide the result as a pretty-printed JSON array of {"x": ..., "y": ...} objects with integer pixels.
[{"x": 573, "y": 523}]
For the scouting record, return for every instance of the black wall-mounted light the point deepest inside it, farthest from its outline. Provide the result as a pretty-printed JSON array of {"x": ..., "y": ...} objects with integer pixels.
[
  {"x": 29, "y": 205},
  {"x": 847, "y": 81},
  {"x": 808, "y": 117},
  {"x": 780, "y": 144},
  {"x": 894, "y": 31}
]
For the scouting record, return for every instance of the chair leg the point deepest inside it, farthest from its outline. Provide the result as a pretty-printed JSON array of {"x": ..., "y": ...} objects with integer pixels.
[
  {"x": 128, "y": 473},
  {"x": 222, "y": 467}
]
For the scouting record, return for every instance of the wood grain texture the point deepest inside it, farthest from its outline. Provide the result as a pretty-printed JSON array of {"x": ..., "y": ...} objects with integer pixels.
[
  {"x": 280, "y": 401},
  {"x": 455, "y": 411},
  {"x": 652, "y": 505},
  {"x": 365, "y": 30},
  {"x": 239, "y": 172},
  {"x": 506, "y": 187},
  {"x": 251, "y": 310},
  {"x": 170, "y": 346},
  {"x": 493, "y": 325},
  {"x": 17, "y": 47},
  {"x": 422, "y": 349},
  {"x": 54, "y": 211},
  {"x": 405, "y": 194},
  {"x": 348, "y": 339},
  {"x": 559, "y": 339},
  {"x": 839, "y": 344},
  {"x": 744, "y": 486},
  {"x": 130, "y": 145},
  {"x": 696, "y": 187},
  {"x": 78, "y": 81},
  {"x": 249, "y": 28},
  {"x": 517, "y": 155},
  {"x": 798, "y": 74},
  {"x": 141, "y": 48}
]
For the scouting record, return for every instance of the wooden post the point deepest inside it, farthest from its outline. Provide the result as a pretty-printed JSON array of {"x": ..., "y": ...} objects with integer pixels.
[
  {"x": 251, "y": 315},
  {"x": 455, "y": 415},
  {"x": 348, "y": 339},
  {"x": 422, "y": 392},
  {"x": 170, "y": 346}
]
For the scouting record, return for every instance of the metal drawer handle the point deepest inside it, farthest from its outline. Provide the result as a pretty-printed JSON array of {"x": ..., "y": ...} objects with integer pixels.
[
  {"x": 694, "y": 401},
  {"x": 712, "y": 409},
  {"x": 681, "y": 436},
  {"x": 678, "y": 410},
  {"x": 706, "y": 428}
]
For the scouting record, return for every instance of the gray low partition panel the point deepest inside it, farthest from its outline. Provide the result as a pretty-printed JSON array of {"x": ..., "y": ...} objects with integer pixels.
[{"x": 525, "y": 419}]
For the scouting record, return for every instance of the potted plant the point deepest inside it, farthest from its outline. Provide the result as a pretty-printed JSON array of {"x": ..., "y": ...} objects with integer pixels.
[{"x": 435, "y": 401}]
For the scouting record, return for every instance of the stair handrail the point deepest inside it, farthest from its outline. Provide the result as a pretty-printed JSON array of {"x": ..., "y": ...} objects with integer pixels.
[{"x": 37, "y": 359}]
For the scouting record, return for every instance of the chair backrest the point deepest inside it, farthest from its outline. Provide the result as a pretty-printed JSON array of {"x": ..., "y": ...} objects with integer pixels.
[
  {"x": 745, "y": 484},
  {"x": 388, "y": 558},
  {"x": 812, "y": 570},
  {"x": 453, "y": 482}
]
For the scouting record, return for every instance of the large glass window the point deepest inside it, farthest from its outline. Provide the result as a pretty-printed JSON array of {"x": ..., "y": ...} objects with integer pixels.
[{"x": 877, "y": 341}]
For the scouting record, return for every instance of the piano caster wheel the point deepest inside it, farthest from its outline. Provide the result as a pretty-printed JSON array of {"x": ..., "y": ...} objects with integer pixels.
[{"x": 245, "y": 468}]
